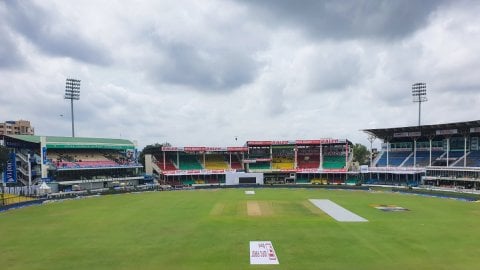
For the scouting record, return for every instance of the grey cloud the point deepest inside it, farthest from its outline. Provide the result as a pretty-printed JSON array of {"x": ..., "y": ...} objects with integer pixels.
[
  {"x": 52, "y": 35},
  {"x": 9, "y": 54},
  {"x": 346, "y": 19},
  {"x": 204, "y": 68},
  {"x": 337, "y": 72}
]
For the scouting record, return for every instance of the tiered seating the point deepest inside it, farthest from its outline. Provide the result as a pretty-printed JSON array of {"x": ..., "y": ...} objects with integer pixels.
[
  {"x": 189, "y": 162},
  {"x": 308, "y": 162},
  {"x": 65, "y": 164},
  {"x": 169, "y": 166},
  {"x": 394, "y": 158},
  {"x": 236, "y": 163},
  {"x": 473, "y": 159},
  {"x": 259, "y": 166},
  {"x": 283, "y": 163},
  {"x": 423, "y": 158},
  {"x": 96, "y": 164},
  {"x": 333, "y": 162},
  {"x": 215, "y": 162},
  {"x": 88, "y": 159},
  {"x": 453, "y": 156}
]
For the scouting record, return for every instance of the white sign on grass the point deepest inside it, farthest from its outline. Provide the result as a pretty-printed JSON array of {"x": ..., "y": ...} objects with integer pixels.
[
  {"x": 262, "y": 252},
  {"x": 250, "y": 192}
]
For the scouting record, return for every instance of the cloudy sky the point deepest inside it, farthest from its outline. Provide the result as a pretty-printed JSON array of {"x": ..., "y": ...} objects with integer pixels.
[{"x": 205, "y": 72}]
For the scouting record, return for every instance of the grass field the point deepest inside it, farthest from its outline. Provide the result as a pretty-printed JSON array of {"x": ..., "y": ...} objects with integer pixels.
[{"x": 211, "y": 229}]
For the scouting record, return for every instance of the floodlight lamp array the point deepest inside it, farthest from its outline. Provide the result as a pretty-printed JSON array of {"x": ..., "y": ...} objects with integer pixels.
[
  {"x": 72, "y": 89},
  {"x": 419, "y": 92}
]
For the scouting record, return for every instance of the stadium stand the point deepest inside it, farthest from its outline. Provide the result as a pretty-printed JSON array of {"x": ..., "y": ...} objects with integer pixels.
[
  {"x": 422, "y": 158},
  {"x": 308, "y": 162},
  {"x": 236, "y": 162},
  {"x": 334, "y": 162},
  {"x": 473, "y": 159},
  {"x": 453, "y": 147},
  {"x": 282, "y": 163},
  {"x": 259, "y": 166},
  {"x": 74, "y": 163},
  {"x": 215, "y": 162},
  {"x": 169, "y": 166},
  {"x": 394, "y": 158},
  {"x": 189, "y": 162}
]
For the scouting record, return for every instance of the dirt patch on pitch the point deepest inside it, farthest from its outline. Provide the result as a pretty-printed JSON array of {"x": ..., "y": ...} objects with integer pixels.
[
  {"x": 259, "y": 208},
  {"x": 253, "y": 208}
]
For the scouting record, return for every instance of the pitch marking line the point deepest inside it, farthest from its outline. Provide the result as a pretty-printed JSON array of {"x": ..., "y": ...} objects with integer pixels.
[{"x": 336, "y": 211}]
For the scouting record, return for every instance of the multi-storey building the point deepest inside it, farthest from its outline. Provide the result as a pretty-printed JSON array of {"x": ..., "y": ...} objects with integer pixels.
[{"x": 20, "y": 127}]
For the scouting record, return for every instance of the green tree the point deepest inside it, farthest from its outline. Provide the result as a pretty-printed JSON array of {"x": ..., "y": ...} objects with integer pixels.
[
  {"x": 361, "y": 154},
  {"x": 153, "y": 149}
]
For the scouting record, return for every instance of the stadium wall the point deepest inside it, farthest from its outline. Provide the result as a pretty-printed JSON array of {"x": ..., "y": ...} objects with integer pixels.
[{"x": 237, "y": 178}]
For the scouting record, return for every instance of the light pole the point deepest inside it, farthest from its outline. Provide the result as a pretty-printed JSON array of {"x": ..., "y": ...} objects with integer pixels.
[
  {"x": 371, "y": 138},
  {"x": 72, "y": 92},
  {"x": 419, "y": 94}
]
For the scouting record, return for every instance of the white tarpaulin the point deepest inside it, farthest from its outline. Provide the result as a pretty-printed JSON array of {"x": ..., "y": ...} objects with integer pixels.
[
  {"x": 336, "y": 211},
  {"x": 262, "y": 252}
]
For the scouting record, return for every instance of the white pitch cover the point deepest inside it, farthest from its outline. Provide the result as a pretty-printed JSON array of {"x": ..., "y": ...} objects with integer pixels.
[{"x": 262, "y": 252}]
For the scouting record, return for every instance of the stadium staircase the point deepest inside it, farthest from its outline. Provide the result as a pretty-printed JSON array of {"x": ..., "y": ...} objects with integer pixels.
[
  {"x": 407, "y": 160},
  {"x": 472, "y": 157}
]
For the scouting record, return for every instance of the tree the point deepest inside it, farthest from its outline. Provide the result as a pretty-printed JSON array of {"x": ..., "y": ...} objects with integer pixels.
[
  {"x": 151, "y": 149},
  {"x": 361, "y": 154}
]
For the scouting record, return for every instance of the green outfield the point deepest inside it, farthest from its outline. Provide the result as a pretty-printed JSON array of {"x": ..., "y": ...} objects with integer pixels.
[{"x": 211, "y": 229}]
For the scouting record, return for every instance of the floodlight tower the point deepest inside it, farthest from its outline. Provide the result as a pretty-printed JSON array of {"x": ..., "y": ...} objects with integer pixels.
[
  {"x": 72, "y": 92},
  {"x": 371, "y": 139},
  {"x": 419, "y": 94}
]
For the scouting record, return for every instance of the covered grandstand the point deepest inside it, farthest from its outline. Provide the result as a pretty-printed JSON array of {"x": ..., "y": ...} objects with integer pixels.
[
  {"x": 72, "y": 163},
  {"x": 444, "y": 155},
  {"x": 319, "y": 161}
]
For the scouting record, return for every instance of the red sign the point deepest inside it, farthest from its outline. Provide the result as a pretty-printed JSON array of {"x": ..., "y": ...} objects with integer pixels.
[
  {"x": 169, "y": 149},
  {"x": 237, "y": 149},
  {"x": 317, "y": 142},
  {"x": 259, "y": 143},
  {"x": 194, "y": 149}
]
